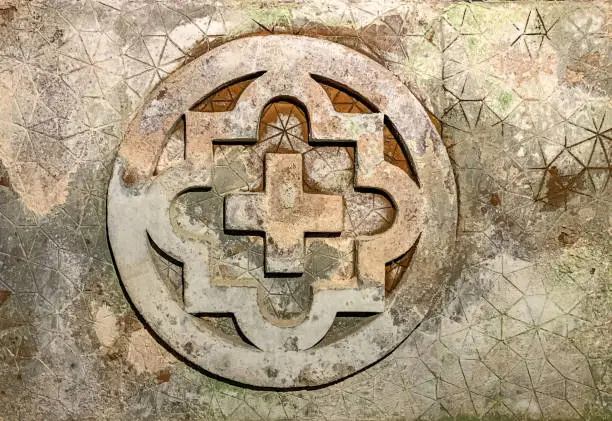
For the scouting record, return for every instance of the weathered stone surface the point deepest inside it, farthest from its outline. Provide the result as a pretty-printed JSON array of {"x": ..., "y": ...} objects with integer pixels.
[
  {"x": 141, "y": 212},
  {"x": 520, "y": 93}
]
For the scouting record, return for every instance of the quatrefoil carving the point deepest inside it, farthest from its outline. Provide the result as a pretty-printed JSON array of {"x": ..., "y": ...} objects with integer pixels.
[{"x": 285, "y": 213}]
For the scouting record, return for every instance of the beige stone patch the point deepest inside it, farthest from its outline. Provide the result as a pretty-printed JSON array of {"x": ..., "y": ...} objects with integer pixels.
[
  {"x": 587, "y": 213},
  {"x": 146, "y": 355},
  {"x": 532, "y": 75},
  {"x": 105, "y": 326},
  {"x": 573, "y": 75},
  {"x": 38, "y": 189}
]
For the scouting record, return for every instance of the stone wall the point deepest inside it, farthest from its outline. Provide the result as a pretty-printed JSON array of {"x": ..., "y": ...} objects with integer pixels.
[{"x": 520, "y": 93}]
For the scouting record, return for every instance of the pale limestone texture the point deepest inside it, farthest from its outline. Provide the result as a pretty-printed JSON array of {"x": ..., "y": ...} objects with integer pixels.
[{"x": 520, "y": 93}]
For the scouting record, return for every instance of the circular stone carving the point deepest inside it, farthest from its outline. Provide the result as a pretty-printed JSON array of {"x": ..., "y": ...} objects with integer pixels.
[{"x": 282, "y": 211}]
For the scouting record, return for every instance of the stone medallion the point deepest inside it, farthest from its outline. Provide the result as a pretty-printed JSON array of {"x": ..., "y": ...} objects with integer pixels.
[{"x": 282, "y": 211}]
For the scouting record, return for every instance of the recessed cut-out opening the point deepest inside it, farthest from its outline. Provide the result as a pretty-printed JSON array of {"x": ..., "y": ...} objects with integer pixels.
[
  {"x": 395, "y": 269},
  {"x": 225, "y": 97},
  {"x": 226, "y": 323},
  {"x": 344, "y": 324}
]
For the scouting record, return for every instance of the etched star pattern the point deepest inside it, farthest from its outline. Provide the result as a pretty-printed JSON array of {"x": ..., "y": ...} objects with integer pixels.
[
  {"x": 224, "y": 100},
  {"x": 283, "y": 128},
  {"x": 534, "y": 31},
  {"x": 581, "y": 165},
  {"x": 515, "y": 337}
]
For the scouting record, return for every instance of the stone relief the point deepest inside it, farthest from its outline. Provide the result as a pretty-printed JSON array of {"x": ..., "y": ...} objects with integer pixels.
[
  {"x": 520, "y": 95},
  {"x": 281, "y": 211}
]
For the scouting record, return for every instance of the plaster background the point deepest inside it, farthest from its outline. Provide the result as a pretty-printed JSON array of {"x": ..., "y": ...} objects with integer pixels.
[{"x": 521, "y": 94}]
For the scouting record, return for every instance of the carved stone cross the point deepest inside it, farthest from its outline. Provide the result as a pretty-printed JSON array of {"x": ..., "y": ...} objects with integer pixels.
[{"x": 284, "y": 212}]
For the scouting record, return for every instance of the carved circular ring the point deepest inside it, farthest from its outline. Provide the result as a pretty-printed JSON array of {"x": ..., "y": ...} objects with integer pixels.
[{"x": 283, "y": 218}]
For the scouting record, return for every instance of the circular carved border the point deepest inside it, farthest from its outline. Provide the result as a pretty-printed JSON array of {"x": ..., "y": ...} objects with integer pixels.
[{"x": 228, "y": 357}]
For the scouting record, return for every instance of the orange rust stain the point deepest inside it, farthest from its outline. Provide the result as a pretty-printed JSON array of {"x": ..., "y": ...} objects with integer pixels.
[
  {"x": 130, "y": 176},
  {"x": 495, "y": 200},
  {"x": 4, "y": 295},
  {"x": 394, "y": 270},
  {"x": 224, "y": 99},
  {"x": 556, "y": 193},
  {"x": 163, "y": 376},
  {"x": 437, "y": 124}
]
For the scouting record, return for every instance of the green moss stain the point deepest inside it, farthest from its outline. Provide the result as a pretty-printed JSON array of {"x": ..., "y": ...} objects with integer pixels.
[
  {"x": 454, "y": 14},
  {"x": 335, "y": 22},
  {"x": 269, "y": 18},
  {"x": 597, "y": 413},
  {"x": 505, "y": 99}
]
